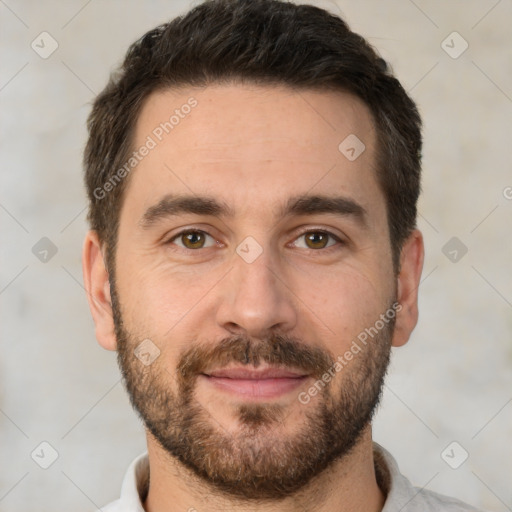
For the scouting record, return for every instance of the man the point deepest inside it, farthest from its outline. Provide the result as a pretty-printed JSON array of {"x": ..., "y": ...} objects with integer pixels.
[{"x": 253, "y": 173}]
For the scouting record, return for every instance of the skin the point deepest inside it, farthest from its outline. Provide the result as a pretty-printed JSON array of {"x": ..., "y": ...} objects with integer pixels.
[{"x": 254, "y": 147}]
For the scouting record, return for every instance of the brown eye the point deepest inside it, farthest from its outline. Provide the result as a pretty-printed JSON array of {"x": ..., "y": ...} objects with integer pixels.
[
  {"x": 317, "y": 240},
  {"x": 192, "y": 239}
]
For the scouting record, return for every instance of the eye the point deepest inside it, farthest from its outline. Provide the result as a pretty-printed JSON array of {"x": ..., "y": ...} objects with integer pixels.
[
  {"x": 192, "y": 239},
  {"x": 196, "y": 239},
  {"x": 317, "y": 240}
]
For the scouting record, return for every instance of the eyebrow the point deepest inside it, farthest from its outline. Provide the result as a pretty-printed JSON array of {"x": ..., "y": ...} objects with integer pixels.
[{"x": 174, "y": 205}]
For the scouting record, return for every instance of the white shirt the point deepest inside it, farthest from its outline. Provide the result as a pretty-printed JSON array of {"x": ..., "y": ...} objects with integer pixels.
[{"x": 401, "y": 495}]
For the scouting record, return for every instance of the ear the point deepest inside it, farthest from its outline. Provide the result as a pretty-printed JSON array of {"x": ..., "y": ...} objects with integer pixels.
[
  {"x": 97, "y": 286},
  {"x": 411, "y": 265}
]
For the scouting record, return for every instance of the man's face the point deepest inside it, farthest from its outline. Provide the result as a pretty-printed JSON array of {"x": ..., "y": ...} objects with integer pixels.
[{"x": 255, "y": 289}]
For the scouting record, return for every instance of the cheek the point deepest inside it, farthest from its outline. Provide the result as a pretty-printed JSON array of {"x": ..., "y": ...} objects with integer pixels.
[
  {"x": 345, "y": 301},
  {"x": 158, "y": 300}
]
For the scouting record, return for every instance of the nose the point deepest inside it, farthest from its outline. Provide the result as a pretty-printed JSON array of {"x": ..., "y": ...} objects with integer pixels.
[{"x": 255, "y": 298}]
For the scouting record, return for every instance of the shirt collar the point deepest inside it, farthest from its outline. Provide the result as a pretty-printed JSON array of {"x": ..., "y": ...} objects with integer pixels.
[
  {"x": 135, "y": 484},
  {"x": 399, "y": 491},
  {"x": 393, "y": 484}
]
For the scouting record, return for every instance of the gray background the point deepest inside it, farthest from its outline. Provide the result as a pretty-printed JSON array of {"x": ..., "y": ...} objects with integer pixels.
[{"x": 452, "y": 382}]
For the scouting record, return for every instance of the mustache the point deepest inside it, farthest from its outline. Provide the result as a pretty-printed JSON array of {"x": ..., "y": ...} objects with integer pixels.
[{"x": 276, "y": 350}]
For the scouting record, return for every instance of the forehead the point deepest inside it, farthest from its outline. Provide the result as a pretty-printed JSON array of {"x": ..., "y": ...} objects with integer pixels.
[
  {"x": 243, "y": 142},
  {"x": 235, "y": 114}
]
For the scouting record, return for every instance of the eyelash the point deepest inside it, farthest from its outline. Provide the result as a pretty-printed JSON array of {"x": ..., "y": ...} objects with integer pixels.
[{"x": 306, "y": 232}]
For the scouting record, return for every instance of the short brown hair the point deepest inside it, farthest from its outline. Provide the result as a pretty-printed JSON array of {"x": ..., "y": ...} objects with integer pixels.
[{"x": 267, "y": 42}]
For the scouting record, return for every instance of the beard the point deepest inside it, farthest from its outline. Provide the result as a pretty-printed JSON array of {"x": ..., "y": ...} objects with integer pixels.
[{"x": 257, "y": 461}]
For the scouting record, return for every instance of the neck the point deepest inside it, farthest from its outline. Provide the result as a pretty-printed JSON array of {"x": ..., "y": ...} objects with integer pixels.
[{"x": 350, "y": 484}]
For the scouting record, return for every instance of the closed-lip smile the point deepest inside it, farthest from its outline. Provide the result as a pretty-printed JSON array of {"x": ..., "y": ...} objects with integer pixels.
[{"x": 255, "y": 383}]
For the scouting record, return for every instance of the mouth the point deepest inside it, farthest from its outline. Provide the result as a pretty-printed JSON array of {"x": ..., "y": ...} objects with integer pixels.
[{"x": 255, "y": 383}]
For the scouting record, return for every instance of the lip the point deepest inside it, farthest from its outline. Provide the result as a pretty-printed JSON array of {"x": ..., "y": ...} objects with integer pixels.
[
  {"x": 255, "y": 383},
  {"x": 255, "y": 373}
]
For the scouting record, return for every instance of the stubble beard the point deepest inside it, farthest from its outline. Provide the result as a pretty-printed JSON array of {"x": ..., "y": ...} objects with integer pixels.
[{"x": 260, "y": 460}]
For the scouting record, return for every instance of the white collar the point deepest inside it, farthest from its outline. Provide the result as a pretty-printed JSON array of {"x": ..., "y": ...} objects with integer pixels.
[{"x": 400, "y": 493}]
